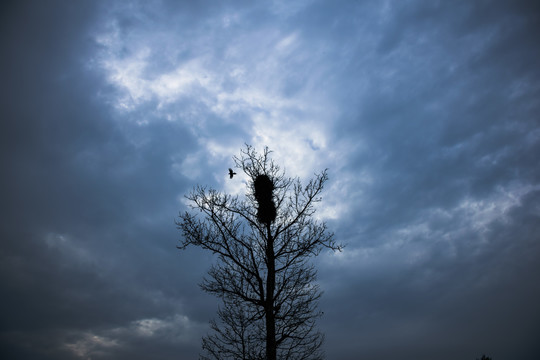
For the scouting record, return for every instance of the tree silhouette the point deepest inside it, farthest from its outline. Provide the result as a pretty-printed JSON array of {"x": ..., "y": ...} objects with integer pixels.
[{"x": 263, "y": 276}]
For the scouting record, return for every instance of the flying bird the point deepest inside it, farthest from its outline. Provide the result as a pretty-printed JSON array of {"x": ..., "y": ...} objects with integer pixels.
[{"x": 231, "y": 173}]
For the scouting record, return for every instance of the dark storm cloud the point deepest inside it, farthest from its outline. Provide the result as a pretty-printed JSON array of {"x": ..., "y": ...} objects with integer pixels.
[
  {"x": 426, "y": 115},
  {"x": 81, "y": 193},
  {"x": 447, "y": 122},
  {"x": 455, "y": 304},
  {"x": 454, "y": 127}
]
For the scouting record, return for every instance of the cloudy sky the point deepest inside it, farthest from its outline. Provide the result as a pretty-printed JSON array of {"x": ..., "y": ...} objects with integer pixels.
[{"x": 425, "y": 112}]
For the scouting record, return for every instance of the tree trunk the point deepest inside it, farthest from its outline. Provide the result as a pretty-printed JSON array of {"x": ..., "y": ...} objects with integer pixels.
[{"x": 271, "y": 353}]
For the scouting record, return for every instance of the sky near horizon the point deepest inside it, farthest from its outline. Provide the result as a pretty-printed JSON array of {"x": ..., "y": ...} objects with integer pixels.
[{"x": 426, "y": 114}]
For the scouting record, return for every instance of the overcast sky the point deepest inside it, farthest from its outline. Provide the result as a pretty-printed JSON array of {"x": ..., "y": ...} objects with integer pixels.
[{"x": 427, "y": 114}]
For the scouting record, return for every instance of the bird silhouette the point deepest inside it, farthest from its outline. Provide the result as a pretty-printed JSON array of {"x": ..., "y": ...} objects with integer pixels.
[{"x": 231, "y": 173}]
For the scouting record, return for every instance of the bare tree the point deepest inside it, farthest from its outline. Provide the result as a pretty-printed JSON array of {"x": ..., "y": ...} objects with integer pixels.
[
  {"x": 238, "y": 337},
  {"x": 264, "y": 243}
]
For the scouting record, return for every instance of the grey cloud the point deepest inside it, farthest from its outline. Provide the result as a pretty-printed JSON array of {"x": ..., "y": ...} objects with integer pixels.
[
  {"x": 442, "y": 134},
  {"x": 74, "y": 197},
  {"x": 458, "y": 302}
]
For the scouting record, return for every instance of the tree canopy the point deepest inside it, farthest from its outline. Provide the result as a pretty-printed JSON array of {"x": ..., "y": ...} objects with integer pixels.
[{"x": 263, "y": 275}]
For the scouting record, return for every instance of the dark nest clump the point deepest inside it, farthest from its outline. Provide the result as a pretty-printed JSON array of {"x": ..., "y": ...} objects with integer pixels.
[{"x": 264, "y": 187}]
